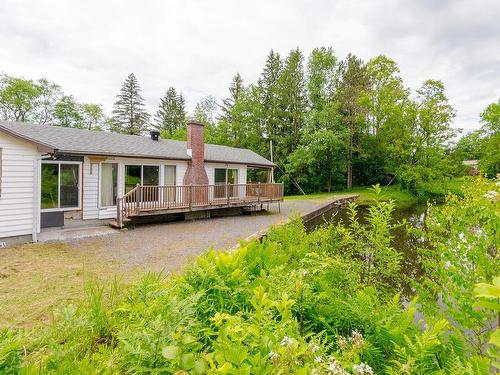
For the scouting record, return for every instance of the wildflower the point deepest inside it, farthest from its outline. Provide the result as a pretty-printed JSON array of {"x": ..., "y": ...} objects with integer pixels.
[
  {"x": 362, "y": 369},
  {"x": 356, "y": 339},
  {"x": 273, "y": 355},
  {"x": 313, "y": 348},
  {"x": 334, "y": 367},
  {"x": 287, "y": 341},
  {"x": 342, "y": 342},
  {"x": 318, "y": 359},
  {"x": 491, "y": 195}
]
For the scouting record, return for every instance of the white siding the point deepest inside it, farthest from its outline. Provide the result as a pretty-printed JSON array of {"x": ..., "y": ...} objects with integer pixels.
[
  {"x": 19, "y": 193},
  {"x": 91, "y": 209}
]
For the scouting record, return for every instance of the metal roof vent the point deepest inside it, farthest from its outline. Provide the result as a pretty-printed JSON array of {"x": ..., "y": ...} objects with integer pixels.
[{"x": 155, "y": 135}]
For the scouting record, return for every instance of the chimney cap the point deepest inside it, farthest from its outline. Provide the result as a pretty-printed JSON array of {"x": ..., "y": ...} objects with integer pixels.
[
  {"x": 155, "y": 135},
  {"x": 195, "y": 122}
]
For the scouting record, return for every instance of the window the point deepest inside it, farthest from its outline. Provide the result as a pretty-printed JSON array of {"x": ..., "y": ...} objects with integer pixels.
[
  {"x": 169, "y": 175},
  {"x": 109, "y": 184},
  {"x": 142, "y": 175},
  {"x": 60, "y": 186},
  {"x": 225, "y": 176}
]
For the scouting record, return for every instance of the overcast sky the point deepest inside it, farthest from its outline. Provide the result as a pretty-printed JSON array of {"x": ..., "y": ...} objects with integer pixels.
[{"x": 89, "y": 47}]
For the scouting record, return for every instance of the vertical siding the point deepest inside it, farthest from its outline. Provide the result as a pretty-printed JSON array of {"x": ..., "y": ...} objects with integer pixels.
[
  {"x": 19, "y": 192},
  {"x": 90, "y": 189}
]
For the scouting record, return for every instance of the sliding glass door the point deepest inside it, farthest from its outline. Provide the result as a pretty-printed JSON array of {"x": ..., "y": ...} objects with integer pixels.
[
  {"x": 222, "y": 178},
  {"x": 60, "y": 186},
  {"x": 109, "y": 184}
]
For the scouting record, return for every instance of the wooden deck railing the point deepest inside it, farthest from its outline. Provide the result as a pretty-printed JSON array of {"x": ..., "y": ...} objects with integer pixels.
[{"x": 147, "y": 198}]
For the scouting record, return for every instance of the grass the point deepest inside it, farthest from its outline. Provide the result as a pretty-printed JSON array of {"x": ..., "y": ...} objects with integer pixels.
[
  {"x": 394, "y": 192},
  {"x": 34, "y": 278}
]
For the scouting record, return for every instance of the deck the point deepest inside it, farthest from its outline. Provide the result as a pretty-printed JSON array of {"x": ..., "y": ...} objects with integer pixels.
[{"x": 157, "y": 200}]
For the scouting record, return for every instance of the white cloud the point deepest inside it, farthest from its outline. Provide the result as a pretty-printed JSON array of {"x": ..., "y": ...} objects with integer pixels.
[{"x": 198, "y": 45}]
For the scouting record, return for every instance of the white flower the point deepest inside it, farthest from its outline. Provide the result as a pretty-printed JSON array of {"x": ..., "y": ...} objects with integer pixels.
[
  {"x": 273, "y": 355},
  {"x": 313, "y": 348},
  {"x": 356, "y": 338},
  {"x": 362, "y": 369},
  {"x": 287, "y": 341},
  {"x": 335, "y": 368},
  {"x": 318, "y": 359},
  {"x": 492, "y": 195}
]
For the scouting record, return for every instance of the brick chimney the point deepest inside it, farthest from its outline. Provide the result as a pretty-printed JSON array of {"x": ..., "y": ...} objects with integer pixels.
[{"x": 196, "y": 173}]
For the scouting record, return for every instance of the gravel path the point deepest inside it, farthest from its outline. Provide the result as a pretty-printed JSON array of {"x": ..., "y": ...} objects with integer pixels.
[{"x": 167, "y": 246}]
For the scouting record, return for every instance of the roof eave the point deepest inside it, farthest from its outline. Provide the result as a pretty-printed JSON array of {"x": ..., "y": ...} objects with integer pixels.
[{"x": 41, "y": 147}]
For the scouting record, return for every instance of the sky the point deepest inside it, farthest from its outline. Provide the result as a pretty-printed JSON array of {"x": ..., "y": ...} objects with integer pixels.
[{"x": 89, "y": 47}]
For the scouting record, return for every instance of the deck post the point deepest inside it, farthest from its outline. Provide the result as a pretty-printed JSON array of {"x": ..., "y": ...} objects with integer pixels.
[
  {"x": 258, "y": 192},
  {"x": 118, "y": 213},
  {"x": 190, "y": 194},
  {"x": 138, "y": 197}
]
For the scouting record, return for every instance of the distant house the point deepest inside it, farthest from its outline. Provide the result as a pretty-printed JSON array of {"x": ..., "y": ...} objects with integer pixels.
[
  {"x": 472, "y": 166},
  {"x": 50, "y": 174}
]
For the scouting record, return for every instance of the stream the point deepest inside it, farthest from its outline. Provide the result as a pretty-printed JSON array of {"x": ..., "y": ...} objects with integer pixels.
[{"x": 403, "y": 242}]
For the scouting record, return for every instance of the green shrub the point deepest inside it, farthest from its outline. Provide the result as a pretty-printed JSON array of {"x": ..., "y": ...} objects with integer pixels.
[{"x": 296, "y": 303}]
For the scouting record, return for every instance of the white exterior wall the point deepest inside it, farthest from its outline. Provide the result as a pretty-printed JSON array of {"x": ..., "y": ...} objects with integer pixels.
[
  {"x": 19, "y": 198},
  {"x": 91, "y": 190},
  {"x": 91, "y": 208}
]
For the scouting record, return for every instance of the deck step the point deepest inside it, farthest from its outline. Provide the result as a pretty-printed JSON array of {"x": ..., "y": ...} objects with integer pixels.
[{"x": 114, "y": 223}]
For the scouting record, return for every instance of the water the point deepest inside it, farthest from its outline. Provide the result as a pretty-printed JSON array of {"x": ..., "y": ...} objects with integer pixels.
[{"x": 403, "y": 242}]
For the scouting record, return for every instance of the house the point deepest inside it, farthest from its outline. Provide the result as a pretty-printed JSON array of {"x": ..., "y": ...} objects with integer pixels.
[{"x": 51, "y": 174}]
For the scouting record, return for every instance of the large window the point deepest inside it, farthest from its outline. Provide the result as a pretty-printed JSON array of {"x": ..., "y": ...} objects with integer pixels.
[
  {"x": 225, "y": 176},
  {"x": 142, "y": 175},
  {"x": 109, "y": 184},
  {"x": 60, "y": 186}
]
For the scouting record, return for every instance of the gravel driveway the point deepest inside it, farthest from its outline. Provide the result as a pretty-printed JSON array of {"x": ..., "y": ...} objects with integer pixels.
[{"x": 167, "y": 246}]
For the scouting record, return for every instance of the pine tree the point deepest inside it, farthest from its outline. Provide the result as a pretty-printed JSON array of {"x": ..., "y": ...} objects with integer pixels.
[
  {"x": 292, "y": 101},
  {"x": 171, "y": 114},
  {"x": 235, "y": 92},
  {"x": 268, "y": 90},
  {"x": 129, "y": 113}
]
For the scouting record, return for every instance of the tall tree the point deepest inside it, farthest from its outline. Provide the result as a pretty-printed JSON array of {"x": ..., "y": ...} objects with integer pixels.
[
  {"x": 490, "y": 131},
  {"x": 18, "y": 98},
  {"x": 268, "y": 89},
  {"x": 67, "y": 113},
  {"x": 293, "y": 102},
  {"x": 206, "y": 111},
  {"x": 93, "y": 117},
  {"x": 50, "y": 94},
  {"x": 236, "y": 89},
  {"x": 129, "y": 113},
  {"x": 353, "y": 84},
  {"x": 171, "y": 114},
  {"x": 434, "y": 118}
]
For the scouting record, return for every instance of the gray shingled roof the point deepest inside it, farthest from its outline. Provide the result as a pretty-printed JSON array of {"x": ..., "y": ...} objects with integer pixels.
[{"x": 88, "y": 142}]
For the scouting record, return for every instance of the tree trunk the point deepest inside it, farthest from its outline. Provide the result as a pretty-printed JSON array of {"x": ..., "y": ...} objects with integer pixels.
[{"x": 349, "y": 164}]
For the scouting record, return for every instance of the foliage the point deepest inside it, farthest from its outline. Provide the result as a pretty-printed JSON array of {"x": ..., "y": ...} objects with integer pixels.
[
  {"x": 129, "y": 112},
  {"x": 460, "y": 249},
  {"x": 171, "y": 114},
  {"x": 298, "y": 302},
  {"x": 489, "y": 295}
]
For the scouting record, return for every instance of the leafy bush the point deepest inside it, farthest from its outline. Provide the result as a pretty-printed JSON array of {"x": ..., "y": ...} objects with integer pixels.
[{"x": 324, "y": 302}]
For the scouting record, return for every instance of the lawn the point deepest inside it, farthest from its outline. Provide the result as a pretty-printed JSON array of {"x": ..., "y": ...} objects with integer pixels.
[{"x": 394, "y": 192}]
